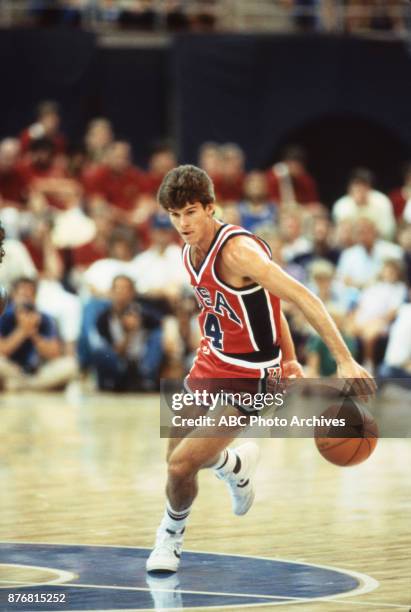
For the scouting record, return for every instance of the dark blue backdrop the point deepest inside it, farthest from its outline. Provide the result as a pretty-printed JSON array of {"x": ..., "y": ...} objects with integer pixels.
[{"x": 346, "y": 99}]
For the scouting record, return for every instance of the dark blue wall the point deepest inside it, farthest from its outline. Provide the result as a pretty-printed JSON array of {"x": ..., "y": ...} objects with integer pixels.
[{"x": 348, "y": 100}]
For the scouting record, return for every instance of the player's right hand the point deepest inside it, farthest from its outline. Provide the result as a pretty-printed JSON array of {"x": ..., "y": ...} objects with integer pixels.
[{"x": 361, "y": 382}]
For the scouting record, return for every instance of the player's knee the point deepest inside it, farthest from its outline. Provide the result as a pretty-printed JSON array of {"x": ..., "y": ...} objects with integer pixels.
[{"x": 180, "y": 469}]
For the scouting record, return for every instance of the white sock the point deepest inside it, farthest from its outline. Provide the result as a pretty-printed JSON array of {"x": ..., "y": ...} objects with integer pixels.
[
  {"x": 173, "y": 520},
  {"x": 227, "y": 463}
]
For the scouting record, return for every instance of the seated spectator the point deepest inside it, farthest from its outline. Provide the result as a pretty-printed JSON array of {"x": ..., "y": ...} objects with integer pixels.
[
  {"x": 162, "y": 159},
  {"x": 335, "y": 294},
  {"x": 42, "y": 251},
  {"x": 47, "y": 126},
  {"x": 289, "y": 182},
  {"x": 13, "y": 182},
  {"x": 43, "y": 172},
  {"x": 397, "y": 358},
  {"x": 117, "y": 181},
  {"x": 404, "y": 240},
  {"x": 360, "y": 264},
  {"x": 321, "y": 247},
  {"x": 400, "y": 196},
  {"x": 100, "y": 275},
  {"x": 157, "y": 271},
  {"x": 344, "y": 234},
  {"x": 98, "y": 139},
  {"x": 256, "y": 209},
  {"x": 72, "y": 227},
  {"x": 229, "y": 182},
  {"x": 291, "y": 229},
  {"x": 31, "y": 354},
  {"x": 18, "y": 263},
  {"x": 98, "y": 248},
  {"x": 126, "y": 350},
  {"x": 377, "y": 308},
  {"x": 364, "y": 201},
  {"x": 209, "y": 158}
]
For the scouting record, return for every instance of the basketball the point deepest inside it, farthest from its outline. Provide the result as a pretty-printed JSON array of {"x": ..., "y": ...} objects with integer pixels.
[
  {"x": 3, "y": 299},
  {"x": 352, "y": 443}
]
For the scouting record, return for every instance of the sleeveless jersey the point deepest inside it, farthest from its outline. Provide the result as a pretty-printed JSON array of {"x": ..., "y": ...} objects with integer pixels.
[{"x": 240, "y": 326}]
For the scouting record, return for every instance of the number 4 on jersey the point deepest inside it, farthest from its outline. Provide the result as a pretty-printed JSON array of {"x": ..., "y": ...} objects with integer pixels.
[{"x": 213, "y": 331}]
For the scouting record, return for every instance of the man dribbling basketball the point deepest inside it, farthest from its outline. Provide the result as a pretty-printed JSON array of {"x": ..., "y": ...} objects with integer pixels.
[{"x": 243, "y": 336}]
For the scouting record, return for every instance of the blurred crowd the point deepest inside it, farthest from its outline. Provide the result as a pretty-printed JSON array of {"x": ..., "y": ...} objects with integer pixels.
[
  {"x": 352, "y": 16},
  {"x": 94, "y": 272}
]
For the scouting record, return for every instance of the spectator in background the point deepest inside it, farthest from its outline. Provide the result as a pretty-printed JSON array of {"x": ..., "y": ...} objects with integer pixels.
[
  {"x": 100, "y": 275},
  {"x": 162, "y": 159},
  {"x": 364, "y": 201},
  {"x": 256, "y": 208},
  {"x": 400, "y": 196},
  {"x": 289, "y": 182},
  {"x": 31, "y": 354},
  {"x": 330, "y": 290},
  {"x": 397, "y": 358},
  {"x": 117, "y": 181},
  {"x": 13, "y": 183},
  {"x": 360, "y": 264},
  {"x": 377, "y": 308},
  {"x": 127, "y": 350},
  {"x": 229, "y": 182},
  {"x": 291, "y": 229},
  {"x": 404, "y": 239},
  {"x": 209, "y": 158},
  {"x": 157, "y": 271},
  {"x": 321, "y": 247},
  {"x": 18, "y": 263},
  {"x": 344, "y": 234},
  {"x": 98, "y": 139},
  {"x": 46, "y": 126}
]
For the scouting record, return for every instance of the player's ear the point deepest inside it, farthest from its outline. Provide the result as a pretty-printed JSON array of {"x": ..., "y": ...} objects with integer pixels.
[{"x": 210, "y": 208}]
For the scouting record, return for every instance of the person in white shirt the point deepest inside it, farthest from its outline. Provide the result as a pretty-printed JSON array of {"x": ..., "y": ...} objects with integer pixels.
[
  {"x": 360, "y": 264},
  {"x": 364, "y": 201},
  {"x": 157, "y": 271},
  {"x": 397, "y": 359},
  {"x": 378, "y": 307}
]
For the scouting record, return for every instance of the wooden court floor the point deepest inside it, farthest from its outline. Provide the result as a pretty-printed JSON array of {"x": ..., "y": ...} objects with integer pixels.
[{"x": 90, "y": 470}]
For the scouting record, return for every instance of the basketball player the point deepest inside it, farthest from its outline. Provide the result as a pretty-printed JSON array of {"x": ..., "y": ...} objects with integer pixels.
[{"x": 239, "y": 290}]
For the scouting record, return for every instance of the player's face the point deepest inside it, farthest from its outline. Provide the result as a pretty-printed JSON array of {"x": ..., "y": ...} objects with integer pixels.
[{"x": 191, "y": 222}]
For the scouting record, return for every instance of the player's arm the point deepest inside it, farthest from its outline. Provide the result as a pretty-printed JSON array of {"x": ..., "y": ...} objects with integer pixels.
[
  {"x": 291, "y": 367},
  {"x": 242, "y": 255}
]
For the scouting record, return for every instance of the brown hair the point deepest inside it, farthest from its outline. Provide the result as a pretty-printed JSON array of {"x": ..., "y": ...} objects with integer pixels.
[{"x": 185, "y": 185}]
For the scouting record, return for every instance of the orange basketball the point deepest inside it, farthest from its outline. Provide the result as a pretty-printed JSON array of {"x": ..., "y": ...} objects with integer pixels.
[{"x": 352, "y": 443}]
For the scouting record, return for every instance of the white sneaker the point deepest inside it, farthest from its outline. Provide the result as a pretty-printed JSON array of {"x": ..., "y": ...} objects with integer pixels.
[
  {"x": 241, "y": 485},
  {"x": 165, "y": 556}
]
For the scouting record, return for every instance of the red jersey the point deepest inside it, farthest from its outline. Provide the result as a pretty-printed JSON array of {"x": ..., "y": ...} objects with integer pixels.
[{"x": 239, "y": 326}]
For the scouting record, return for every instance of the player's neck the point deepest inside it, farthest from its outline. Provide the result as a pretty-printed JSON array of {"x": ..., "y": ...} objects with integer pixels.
[{"x": 210, "y": 231}]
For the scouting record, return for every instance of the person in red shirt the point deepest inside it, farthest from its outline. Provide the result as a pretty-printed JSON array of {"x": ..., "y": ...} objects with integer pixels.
[
  {"x": 117, "y": 181},
  {"x": 46, "y": 126},
  {"x": 13, "y": 182},
  {"x": 289, "y": 182},
  {"x": 162, "y": 159},
  {"x": 229, "y": 182},
  {"x": 400, "y": 196}
]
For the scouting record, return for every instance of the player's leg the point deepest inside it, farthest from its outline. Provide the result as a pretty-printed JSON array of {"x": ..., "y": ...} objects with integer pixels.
[{"x": 187, "y": 457}]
